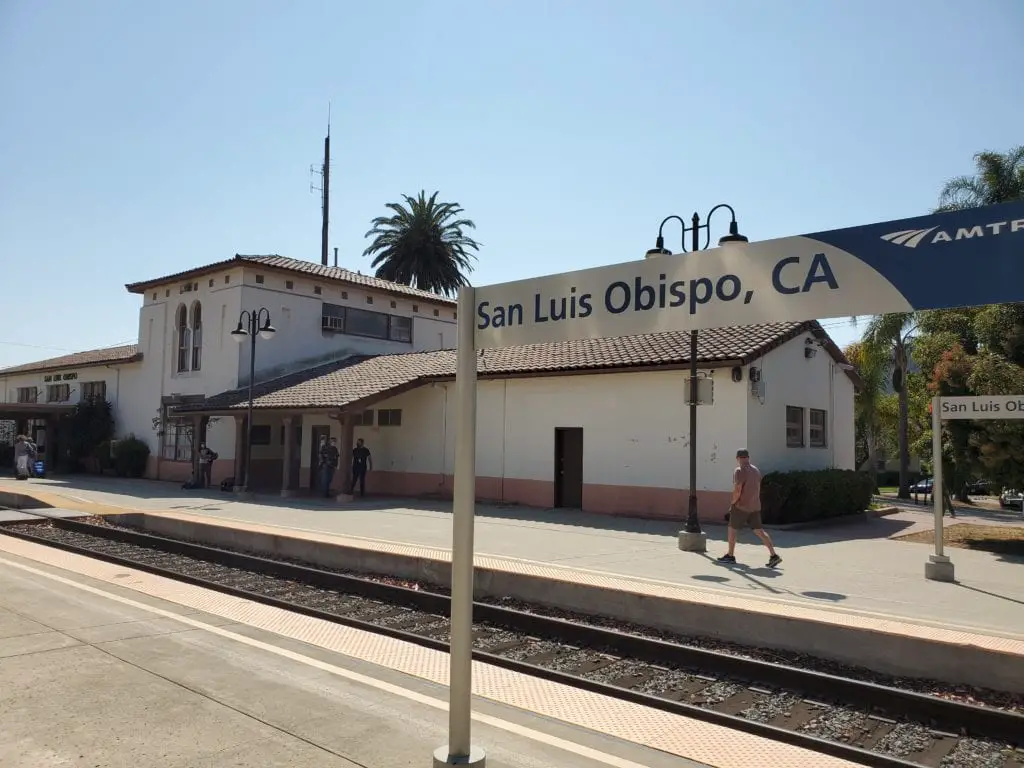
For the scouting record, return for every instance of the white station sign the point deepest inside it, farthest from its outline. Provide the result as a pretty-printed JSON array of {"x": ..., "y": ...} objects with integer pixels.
[{"x": 982, "y": 407}]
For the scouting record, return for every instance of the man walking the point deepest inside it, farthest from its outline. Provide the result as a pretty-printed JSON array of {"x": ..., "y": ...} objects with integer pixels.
[
  {"x": 745, "y": 509},
  {"x": 361, "y": 461},
  {"x": 328, "y": 463}
]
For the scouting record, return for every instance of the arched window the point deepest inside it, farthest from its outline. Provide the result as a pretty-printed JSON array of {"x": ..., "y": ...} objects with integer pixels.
[
  {"x": 197, "y": 336},
  {"x": 183, "y": 338}
]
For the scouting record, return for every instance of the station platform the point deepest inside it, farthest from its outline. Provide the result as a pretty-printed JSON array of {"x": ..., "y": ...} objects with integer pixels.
[
  {"x": 844, "y": 577},
  {"x": 101, "y": 665}
]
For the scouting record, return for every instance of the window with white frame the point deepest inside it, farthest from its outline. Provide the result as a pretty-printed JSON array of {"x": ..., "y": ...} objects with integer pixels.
[
  {"x": 58, "y": 393},
  {"x": 818, "y": 428},
  {"x": 389, "y": 417},
  {"x": 184, "y": 339},
  {"x": 197, "y": 335},
  {"x": 337, "y": 318},
  {"x": 363, "y": 418},
  {"x": 94, "y": 390},
  {"x": 176, "y": 442},
  {"x": 794, "y": 426}
]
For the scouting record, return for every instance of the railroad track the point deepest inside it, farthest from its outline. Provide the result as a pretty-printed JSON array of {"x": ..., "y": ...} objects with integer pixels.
[{"x": 866, "y": 723}]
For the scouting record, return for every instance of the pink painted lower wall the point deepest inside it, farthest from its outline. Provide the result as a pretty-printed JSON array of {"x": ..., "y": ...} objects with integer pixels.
[
  {"x": 622, "y": 500},
  {"x": 180, "y": 471}
]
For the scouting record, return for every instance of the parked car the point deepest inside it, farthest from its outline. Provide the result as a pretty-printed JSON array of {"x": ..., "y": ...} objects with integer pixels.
[
  {"x": 979, "y": 488},
  {"x": 922, "y": 486},
  {"x": 1011, "y": 499}
]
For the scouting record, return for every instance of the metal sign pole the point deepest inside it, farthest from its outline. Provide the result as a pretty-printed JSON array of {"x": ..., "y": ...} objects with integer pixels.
[
  {"x": 939, "y": 567},
  {"x": 459, "y": 750}
]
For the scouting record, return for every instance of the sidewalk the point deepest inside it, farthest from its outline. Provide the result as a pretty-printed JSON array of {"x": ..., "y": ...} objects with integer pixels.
[{"x": 853, "y": 567}]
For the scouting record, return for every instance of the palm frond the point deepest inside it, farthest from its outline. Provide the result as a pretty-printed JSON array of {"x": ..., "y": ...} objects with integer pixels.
[{"x": 423, "y": 244}]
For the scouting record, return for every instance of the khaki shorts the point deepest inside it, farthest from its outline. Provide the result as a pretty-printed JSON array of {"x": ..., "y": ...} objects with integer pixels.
[{"x": 738, "y": 518}]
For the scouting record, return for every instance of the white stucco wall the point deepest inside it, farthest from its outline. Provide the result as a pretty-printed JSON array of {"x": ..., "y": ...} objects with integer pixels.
[
  {"x": 635, "y": 429},
  {"x": 300, "y": 341},
  {"x": 791, "y": 379},
  {"x": 119, "y": 379}
]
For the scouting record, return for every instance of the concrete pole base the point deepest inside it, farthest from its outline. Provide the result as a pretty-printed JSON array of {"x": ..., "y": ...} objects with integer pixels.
[
  {"x": 344, "y": 498},
  {"x": 693, "y": 542},
  {"x": 939, "y": 568},
  {"x": 476, "y": 758},
  {"x": 287, "y": 494}
]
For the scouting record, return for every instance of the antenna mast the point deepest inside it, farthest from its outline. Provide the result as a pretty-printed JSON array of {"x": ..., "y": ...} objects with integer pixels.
[{"x": 325, "y": 172}]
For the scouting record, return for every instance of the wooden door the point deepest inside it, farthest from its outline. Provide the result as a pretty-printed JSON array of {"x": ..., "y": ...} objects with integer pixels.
[{"x": 569, "y": 467}]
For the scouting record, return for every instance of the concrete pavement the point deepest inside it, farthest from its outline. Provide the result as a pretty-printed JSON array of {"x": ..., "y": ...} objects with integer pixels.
[
  {"x": 90, "y": 677},
  {"x": 856, "y": 567}
]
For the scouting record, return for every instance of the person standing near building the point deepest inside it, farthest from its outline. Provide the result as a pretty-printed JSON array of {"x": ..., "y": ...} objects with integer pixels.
[
  {"x": 745, "y": 509},
  {"x": 361, "y": 462},
  {"x": 22, "y": 457},
  {"x": 206, "y": 459},
  {"x": 328, "y": 463}
]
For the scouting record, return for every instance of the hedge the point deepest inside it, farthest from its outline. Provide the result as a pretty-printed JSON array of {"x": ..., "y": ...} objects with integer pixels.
[
  {"x": 130, "y": 457},
  {"x": 796, "y": 497}
]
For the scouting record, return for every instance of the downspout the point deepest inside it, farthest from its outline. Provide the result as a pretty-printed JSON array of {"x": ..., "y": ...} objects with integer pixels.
[
  {"x": 444, "y": 438},
  {"x": 160, "y": 402},
  {"x": 504, "y": 435},
  {"x": 832, "y": 413}
]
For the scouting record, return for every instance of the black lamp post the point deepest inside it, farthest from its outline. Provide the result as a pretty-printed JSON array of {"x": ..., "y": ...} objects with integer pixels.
[
  {"x": 250, "y": 324},
  {"x": 697, "y": 542}
]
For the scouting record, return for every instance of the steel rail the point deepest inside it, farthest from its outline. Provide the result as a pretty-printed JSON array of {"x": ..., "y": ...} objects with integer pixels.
[{"x": 957, "y": 717}]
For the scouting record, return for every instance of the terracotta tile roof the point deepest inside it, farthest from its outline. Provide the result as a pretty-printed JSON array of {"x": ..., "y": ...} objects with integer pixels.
[
  {"x": 296, "y": 266},
  {"x": 352, "y": 380},
  {"x": 128, "y": 353}
]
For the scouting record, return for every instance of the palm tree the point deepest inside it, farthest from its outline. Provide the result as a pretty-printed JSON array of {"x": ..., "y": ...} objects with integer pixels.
[
  {"x": 423, "y": 245},
  {"x": 887, "y": 340},
  {"x": 999, "y": 179},
  {"x": 872, "y": 371}
]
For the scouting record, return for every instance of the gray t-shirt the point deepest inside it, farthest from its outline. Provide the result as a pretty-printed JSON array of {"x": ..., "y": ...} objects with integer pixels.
[{"x": 749, "y": 477}]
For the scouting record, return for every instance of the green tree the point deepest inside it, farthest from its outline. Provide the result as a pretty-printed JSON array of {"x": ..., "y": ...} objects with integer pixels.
[
  {"x": 887, "y": 339},
  {"x": 867, "y": 405},
  {"x": 998, "y": 178},
  {"x": 423, "y": 245},
  {"x": 978, "y": 350}
]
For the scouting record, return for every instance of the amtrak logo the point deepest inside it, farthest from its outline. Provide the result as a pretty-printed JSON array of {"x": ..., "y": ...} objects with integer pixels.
[
  {"x": 908, "y": 237},
  {"x": 911, "y": 238}
]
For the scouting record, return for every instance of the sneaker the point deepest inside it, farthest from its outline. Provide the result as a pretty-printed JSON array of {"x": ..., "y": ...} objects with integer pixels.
[
  {"x": 727, "y": 559},
  {"x": 774, "y": 560}
]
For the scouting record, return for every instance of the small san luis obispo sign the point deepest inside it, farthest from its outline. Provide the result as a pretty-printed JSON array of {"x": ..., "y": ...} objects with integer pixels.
[{"x": 982, "y": 407}]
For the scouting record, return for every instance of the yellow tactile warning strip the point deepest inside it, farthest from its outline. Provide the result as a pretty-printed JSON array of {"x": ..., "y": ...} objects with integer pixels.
[
  {"x": 65, "y": 502},
  {"x": 675, "y": 734},
  {"x": 861, "y": 620},
  {"x": 791, "y": 610}
]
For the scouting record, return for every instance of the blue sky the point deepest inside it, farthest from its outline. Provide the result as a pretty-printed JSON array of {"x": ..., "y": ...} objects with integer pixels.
[{"x": 138, "y": 139}]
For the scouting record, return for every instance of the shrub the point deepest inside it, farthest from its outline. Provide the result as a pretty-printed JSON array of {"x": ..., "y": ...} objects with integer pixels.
[
  {"x": 90, "y": 424},
  {"x": 104, "y": 457},
  {"x": 130, "y": 457},
  {"x": 795, "y": 497}
]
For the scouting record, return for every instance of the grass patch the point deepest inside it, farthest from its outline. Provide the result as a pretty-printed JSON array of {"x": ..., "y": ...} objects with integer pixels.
[
  {"x": 1000, "y": 539},
  {"x": 888, "y": 489}
]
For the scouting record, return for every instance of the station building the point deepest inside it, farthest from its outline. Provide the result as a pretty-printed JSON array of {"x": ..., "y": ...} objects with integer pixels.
[{"x": 600, "y": 425}]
